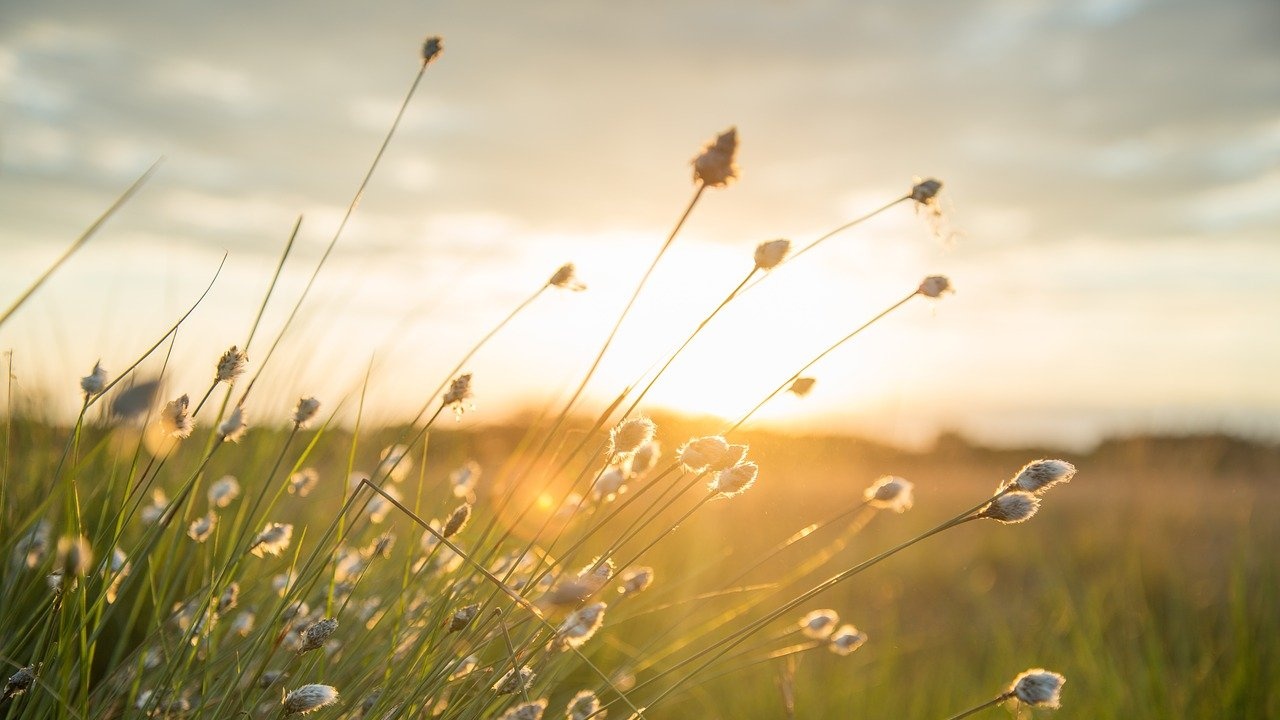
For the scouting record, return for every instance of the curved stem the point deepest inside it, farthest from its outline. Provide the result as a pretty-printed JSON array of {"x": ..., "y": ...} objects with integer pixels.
[
  {"x": 80, "y": 241},
  {"x": 595, "y": 364},
  {"x": 724, "y": 645},
  {"x": 833, "y": 233},
  {"x": 346, "y": 216},
  {"x": 672, "y": 357},
  {"x": 787, "y": 383}
]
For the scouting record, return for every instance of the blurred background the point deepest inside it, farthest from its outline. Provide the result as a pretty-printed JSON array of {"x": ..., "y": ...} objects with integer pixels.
[{"x": 1110, "y": 170}]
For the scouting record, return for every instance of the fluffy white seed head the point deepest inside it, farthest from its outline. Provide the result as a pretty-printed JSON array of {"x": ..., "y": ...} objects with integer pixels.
[
  {"x": 155, "y": 510},
  {"x": 526, "y": 711},
  {"x": 635, "y": 580},
  {"x": 20, "y": 681},
  {"x": 273, "y": 539},
  {"x": 229, "y": 599},
  {"x": 457, "y": 520},
  {"x": 567, "y": 279},
  {"x": 1013, "y": 507},
  {"x": 201, "y": 528},
  {"x": 305, "y": 411},
  {"x": 431, "y": 48},
  {"x": 463, "y": 617},
  {"x": 711, "y": 453},
  {"x": 395, "y": 463},
  {"x": 514, "y": 681},
  {"x": 380, "y": 507},
  {"x": 176, "y": 420},
  {"x": 243, "y": 624},
  {"x": 609, "y": 484},
  {"x": 317, "y": 634},
  {"x": 645, "y": 458},
  {"x": 464, "y": 479},
  {"x": 34, "y": 545},
  {"x": 770, "y": 254},
  {"x": 584, "y": 705},
  {"x": 1038, "y": 687},
  {"x": 95, "y": 382},
  {"x": 629, "y": 435},
  {"x": 573, "y": 592},
  {"x": 233, "y": 427},
  {"x": 75, "y": 555},
  {"x": 224, "y": 491},
  {"x": 845, "y": 640},
  {"x": 935, "y": 286},
  {"x": 231, "y": 365},
  {"x": 925, "y": 191},
  {"x": 819, "y": 624},
  {"x": 801, "y": 387},
  {"x": 117, "y": 570},
  {"x": 891, "y": 493},
  {"x": 735, "y": 480},
  {"x": 581, "y": 624},
  {"x": 1036, "y": 477},
  {"x": 303, "y": 482},
  {"x": 309, "y": 698},
  {"x": 715, "y": 167},
  {"x": 459, "y": 393}
]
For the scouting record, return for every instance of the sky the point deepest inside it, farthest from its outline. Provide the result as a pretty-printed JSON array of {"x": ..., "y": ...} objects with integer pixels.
[{"x": 1111, "y": 171}]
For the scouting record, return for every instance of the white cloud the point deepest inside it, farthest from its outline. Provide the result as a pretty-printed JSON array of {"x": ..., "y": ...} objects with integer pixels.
[{"x": 205, "y": 81}]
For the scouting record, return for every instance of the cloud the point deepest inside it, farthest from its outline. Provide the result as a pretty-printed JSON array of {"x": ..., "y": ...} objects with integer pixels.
[
  {"x": 1073, "y": 137},
  {"x": 220, "y": 86}
]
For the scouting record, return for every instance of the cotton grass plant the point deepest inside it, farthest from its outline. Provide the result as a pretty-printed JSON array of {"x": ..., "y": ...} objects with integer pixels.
[{"x": 218, "y": 567}]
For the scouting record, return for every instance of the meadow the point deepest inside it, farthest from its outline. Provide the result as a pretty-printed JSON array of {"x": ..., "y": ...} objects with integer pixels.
[{"x": 202, "y": 554}]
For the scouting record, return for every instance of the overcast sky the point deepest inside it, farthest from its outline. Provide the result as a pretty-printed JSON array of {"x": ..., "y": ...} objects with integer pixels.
[{"x": 1112, "y": 173}]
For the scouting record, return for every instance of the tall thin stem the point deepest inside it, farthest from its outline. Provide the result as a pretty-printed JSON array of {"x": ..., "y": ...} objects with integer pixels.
[
  {"x": 830, "y": 349},
  {"x": 80, "y": 241},
  {"x": 978, "y": 708},
  {"x": 595, "y": 364},
  {"x": 672, "y": 357},
  {"x": 827, "y": 236},
  {"x": 719, "y": 648},
  {"x": 346, "y": 216}
]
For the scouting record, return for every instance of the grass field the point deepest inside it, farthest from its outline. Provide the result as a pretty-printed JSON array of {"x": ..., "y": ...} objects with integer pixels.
[
  {"x": 213, "y": 554},
  {"x": 1148, "y": 581}
]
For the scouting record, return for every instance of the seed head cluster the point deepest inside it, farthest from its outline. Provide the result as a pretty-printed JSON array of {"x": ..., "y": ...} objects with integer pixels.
[
  {"x": 715, "y": 166},
  {"x": 1038, "y": 687},
  {"x": 819, "y": 624},
  {"x": 514, "y": 680},
  {"x": 1010, "y": 508},
  {"x": 317, "y": 634},
  {"x": 305, "y": 410},
  {"x": 1037, "y": 477},
  {"x": 526, "y": 711},
  {"x": 629, "y": 435},
  {"x": 233, "y": 428},
  {"x": 566, "y": 278},
  {"x": 176, "y": 420},
  {"x": 231, "y": 365},
  {"x": 891, "y": 493},
  {"x": 95, "y": 382},
  {"x": 309, "y": 698},
  {"x": 770, "y": 254}
]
